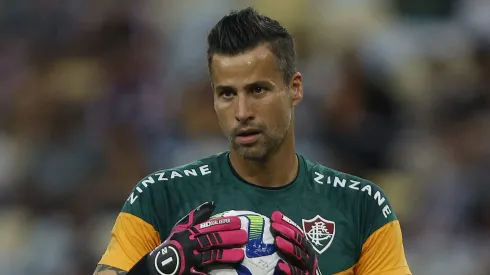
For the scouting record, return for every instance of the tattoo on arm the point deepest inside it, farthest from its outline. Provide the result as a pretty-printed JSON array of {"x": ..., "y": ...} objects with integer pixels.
[{"x": 108, "y": 270}]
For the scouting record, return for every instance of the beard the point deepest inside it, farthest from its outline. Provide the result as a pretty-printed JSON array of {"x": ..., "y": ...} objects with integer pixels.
[
  {"x": 266, "y": 145},
  {"x": 269, "y": 141}
]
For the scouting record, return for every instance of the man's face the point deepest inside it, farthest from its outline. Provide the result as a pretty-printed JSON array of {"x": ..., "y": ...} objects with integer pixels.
[{"x": 253, "y": 104}]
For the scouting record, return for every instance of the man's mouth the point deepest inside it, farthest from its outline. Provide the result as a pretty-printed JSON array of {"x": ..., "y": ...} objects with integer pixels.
[
  {"x": 247, "y": 132},
  {"x": 247, "y": 136}
]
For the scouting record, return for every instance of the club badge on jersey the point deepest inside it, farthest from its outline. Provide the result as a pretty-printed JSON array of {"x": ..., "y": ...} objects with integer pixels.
[{"x": 320, "y": 232}]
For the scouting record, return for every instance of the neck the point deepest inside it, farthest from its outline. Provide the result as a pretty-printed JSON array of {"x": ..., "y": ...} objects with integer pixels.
[{"x": 279, "y": 169}]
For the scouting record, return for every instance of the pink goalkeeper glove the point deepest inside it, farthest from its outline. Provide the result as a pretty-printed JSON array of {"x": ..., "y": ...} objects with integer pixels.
[
  {"x": 297, "y": 252},
  {"x": 194, "y": 243}
]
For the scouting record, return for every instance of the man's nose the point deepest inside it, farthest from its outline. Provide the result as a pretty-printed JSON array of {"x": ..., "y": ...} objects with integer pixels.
[{"x": 243, "y": 110}]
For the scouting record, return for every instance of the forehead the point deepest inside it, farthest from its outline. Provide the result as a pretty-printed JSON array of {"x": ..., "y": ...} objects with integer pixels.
[{"x": 256, "y": 64}]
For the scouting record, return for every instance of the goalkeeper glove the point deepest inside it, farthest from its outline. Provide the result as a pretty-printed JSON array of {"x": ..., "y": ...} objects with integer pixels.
[
  {"x": 298, "y": 256},
  {"x": 194, "y": 243}
]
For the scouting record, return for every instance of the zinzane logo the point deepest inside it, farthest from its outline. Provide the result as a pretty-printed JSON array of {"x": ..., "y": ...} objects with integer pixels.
[
  {"x": 320, "y": 232},
  {"x": 214, "y": 222}
]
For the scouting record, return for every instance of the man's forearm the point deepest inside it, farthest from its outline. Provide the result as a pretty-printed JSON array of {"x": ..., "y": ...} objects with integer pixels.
[{"x": 108, "y": 270}]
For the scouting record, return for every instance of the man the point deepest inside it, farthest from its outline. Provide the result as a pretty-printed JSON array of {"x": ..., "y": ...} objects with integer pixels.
[{"x": 348, "y": 221}]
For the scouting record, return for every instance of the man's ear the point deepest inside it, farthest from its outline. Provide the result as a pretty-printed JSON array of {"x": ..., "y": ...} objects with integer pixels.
[{"x": 296, "y": 88}]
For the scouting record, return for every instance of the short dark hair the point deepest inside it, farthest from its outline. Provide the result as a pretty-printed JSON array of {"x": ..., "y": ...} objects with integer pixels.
[{"x": 246, "y": 29}]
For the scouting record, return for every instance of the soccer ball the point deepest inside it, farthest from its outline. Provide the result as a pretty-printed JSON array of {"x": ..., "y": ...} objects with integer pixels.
[{"x": 260, "y": 253}]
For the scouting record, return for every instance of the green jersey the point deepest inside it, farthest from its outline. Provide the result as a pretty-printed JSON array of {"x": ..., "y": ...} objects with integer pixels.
[{"x": 348, "y": 220}]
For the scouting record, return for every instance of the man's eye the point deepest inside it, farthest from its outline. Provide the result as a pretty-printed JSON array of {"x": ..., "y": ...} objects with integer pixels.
[
  {"x": 227, "y": 94},
  {"x": 258, "y": 90}
]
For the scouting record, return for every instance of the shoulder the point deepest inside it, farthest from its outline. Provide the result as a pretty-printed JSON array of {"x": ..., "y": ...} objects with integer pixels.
[
  {"x": 336, "y": 181},
  {"x": 159, "y": 187},
  {"x": 366, "y": 199},
  {"x": 206, "y": 169}
]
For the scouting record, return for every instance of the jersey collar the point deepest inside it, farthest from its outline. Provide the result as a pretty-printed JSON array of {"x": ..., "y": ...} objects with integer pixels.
[{"x": 230, "y": 173}]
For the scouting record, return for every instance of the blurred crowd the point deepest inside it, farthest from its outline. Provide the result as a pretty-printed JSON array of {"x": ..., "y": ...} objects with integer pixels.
[{"x": 96, "y": 94}]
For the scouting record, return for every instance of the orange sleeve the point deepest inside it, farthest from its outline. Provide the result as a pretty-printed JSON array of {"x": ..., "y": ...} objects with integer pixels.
[
  {"x": 131, "y": 239},
  {"x": 383, "y": 253}
]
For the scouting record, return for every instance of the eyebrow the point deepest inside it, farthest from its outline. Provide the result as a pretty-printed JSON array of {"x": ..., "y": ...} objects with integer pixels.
[{"x": 266, "y": 83}]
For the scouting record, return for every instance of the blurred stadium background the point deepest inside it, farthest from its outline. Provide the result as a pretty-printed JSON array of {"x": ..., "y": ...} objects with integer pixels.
[{"x": 96, "y": 94}]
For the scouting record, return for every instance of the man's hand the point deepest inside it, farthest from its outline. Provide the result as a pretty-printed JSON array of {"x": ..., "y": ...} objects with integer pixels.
[
  {"x": 297, "y": 253},
  {"x": 194, "y": 243}
]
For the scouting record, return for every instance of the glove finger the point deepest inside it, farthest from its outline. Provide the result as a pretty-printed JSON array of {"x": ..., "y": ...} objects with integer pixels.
[
  {"x": 280, "y": 218},
  {"x": 217, "y": 224},
  {"x": 234, "y": 238},
  {"x": 199, "y": 214},
  {"x": 203, "y": 212},
  {"x": 291, "y": 252},
  {"x": 193, "y": 270},
  {"x": 221, "y": 256},
  {"x": 278, "y": 229},
  {"x": 282, "y": 268}
]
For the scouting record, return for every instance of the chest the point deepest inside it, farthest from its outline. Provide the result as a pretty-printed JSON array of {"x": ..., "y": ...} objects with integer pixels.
[{"x": 331, "y": 230}]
